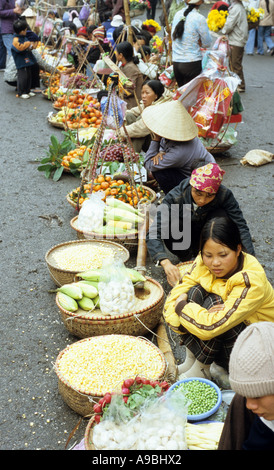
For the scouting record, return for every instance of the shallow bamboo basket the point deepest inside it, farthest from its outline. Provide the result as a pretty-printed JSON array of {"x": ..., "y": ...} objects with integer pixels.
[
  {"x": 59, "y": 125},
  {"x": 185, "y": 267},
  {"x": 89, "y": 434},
  {"x": 152, "y": 199},
  {"x": 130, "y": 241},
  {"x": 82, "y": 401},
  {"x": 61, "y": 276},
  {"x": 146, "y": 315}
]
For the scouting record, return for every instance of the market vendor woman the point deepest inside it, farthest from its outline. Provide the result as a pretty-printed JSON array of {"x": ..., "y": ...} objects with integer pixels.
[
  {"x": 225, "y": 290},
  {"x": 206, "y": 197},
  {"x": 175, "y": 144}
]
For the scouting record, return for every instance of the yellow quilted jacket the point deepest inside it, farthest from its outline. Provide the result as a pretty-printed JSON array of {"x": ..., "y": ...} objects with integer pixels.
[{"x": 247, "y": 295}]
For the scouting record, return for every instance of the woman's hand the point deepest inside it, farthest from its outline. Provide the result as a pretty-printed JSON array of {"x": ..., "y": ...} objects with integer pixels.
[
  {"x": 172, "y": 272},
  {"x": 180, "y": 298},
  {"x": 216, "y": 308},
  {"x": 157, "y": 158}
]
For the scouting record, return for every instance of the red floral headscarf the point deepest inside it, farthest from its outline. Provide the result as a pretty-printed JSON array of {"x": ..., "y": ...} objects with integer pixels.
[{"x": 207, "y": 178}]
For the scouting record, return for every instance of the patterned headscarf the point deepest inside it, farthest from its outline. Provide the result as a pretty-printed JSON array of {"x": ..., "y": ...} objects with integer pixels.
[{"x": 207, "y": 178}]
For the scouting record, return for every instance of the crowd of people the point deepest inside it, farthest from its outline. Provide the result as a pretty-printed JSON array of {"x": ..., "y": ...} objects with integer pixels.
[{"x": 223, "y": 307}]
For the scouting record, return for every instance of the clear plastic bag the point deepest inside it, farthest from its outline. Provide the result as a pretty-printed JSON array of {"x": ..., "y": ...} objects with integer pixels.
[
  {"x": 116, "y": 105},
  {"x": 208, "y": 96},
  {"x": 91, "y": 215},
  {"x": 116, "y": 290},
  {"x": 155, "y": 427}
]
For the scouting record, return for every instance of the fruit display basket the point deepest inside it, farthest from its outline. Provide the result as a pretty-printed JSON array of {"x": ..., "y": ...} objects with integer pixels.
[
  {"x": 57, "y": 255},
  {"x": 152, "y": 197},
  {"x": 149, "y": 302},
  {"x": 89, "y": 368},
  {"x": 129, "y": 241}
]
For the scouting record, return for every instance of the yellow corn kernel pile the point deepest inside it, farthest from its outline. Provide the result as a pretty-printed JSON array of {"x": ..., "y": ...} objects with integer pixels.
[
  {"x": 81, "y": 257},
  {"x": 100, "y": 364}
]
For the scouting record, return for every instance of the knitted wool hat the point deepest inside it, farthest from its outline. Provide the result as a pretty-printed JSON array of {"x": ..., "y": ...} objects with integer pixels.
[
  {"x": 82, "y": 31},
  {"x": 251, "y": 364}
]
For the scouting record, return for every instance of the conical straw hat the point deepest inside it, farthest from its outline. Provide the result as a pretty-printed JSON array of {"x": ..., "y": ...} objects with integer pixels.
[{"x": 171, "y": 121}]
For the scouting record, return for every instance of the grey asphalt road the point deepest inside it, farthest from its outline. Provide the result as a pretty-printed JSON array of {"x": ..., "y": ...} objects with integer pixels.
[{"x": 36, "y": 216}]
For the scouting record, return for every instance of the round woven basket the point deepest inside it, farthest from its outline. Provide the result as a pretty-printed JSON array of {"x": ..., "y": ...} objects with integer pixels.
[
  {"x": 82, "y": 401},
  {"x": 146, "y": 315},
  {"x": 61, "y": 276},
  {"x": 153, "y": 197},
  {"x": 88, "y": 435},
  {"x": 59, "y": 125},
  {"x": 220, "y": 149},
  {"x": 129, "y": 241}
]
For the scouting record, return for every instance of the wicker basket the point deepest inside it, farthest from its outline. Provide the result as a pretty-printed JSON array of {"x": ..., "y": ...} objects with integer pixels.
[
  {"x": 82, "y": 401},
  {"x": 147, "y": 313},
  {"x": 129, "y": 241},
  {"x": 219, "y": 149},
  {"x": 61, "y": 276},
  {"x": 88, "y": 435},
  {"x": 153, "y": 197},
  {"x": 59, "y": 125}
]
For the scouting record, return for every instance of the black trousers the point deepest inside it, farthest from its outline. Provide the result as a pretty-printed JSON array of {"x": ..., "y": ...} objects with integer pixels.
[
  {"x": 184, "y": 72},
  {"x": 27, "y": 78},
  {"x": 168, "y": 178}
]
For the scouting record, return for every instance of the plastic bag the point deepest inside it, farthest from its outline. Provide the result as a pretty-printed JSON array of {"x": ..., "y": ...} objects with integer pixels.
[
  {"x": 121, "y": 111},
  {"x": 10, "y": 74},
  {"x": 257, "y": 157},
  {"x": 154, "y": 427},
  {"x": 48, "y": 27},
  {"x": 116, "y": 290},
  {"x": 101, "y": 67},
  {"x": 91, "y": 215},
  {"x": 208, "y": 96},
  {"x": 167, "y": 77},
  {"x": 84, "y": 13},
  {"x": 39, "y": 21}
]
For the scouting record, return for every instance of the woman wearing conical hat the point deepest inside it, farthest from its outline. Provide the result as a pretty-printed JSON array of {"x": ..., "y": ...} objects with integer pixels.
[{"x": 175, "y": 146}]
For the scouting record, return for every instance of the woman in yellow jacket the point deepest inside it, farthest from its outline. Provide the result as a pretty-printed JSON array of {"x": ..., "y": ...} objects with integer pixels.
[{"x": 225, "y": 290}]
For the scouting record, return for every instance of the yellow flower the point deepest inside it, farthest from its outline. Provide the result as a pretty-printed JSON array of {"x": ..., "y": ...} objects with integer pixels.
[{"x": 152, "y": 23}]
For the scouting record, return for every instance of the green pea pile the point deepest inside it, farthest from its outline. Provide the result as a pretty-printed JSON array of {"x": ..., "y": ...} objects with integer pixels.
[{"x": 201, "y": 395}]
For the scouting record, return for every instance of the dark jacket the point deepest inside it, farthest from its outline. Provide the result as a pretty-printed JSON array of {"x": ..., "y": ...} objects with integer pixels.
[
  {"x": 21, "y": 53},
  {"x": 224, "y": 201},
  {"x": 243, "y": 430}
]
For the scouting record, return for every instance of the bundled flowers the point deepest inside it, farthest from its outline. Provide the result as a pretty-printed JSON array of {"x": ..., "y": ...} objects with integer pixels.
[
  {"x": 152, "y": 23},
  {"x": 254, "y": 14},
  {"x": 216, "y": 19},
  {"x": 156, "y": 45},
  {"x": 139, "y": 4}
]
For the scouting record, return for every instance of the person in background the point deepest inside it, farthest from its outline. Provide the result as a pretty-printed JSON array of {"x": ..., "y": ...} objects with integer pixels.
[
  {"x": 24, "y": 59},
  {"x": 174, "y": 145},
  {"x": 265, "y": 27},
  {"x": 189, "y": 33},
  {"x": 3, "y": 52},
  {"x": 118, "y": 9},
  {"x": 250, "y": 45},
  {"x": 125, "y": 56},
  {"x": 153, "y": 93},
  {"x": 9, "y": 12},
  {"x": 249, "y": 423},
  {"x": 236, "y": 30},
  {"x": 207, "y": 198},
  {"x": 151, "y": 12},
  {"x": 116, "y": 22},
  {"x": 222, "y": 292}
]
